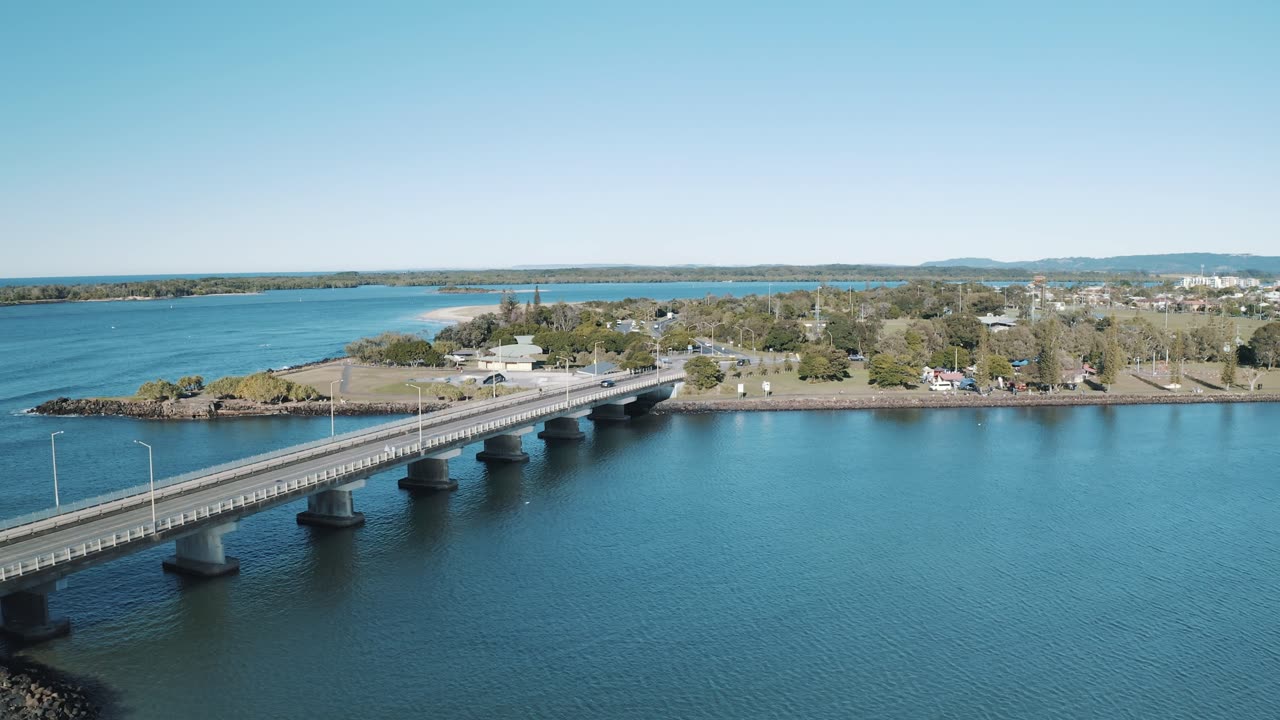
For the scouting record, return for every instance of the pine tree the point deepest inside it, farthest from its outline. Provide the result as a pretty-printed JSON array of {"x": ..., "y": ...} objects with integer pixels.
[
  {"x": 1049, "y": 364},
  {"x": 537, "y": 296},
  {"x": 1176, "y": 354},
  {"x": 1229, "y": 367},
  {"x": 983, "y": 374},
  {"x": 1112, "y": 356}
]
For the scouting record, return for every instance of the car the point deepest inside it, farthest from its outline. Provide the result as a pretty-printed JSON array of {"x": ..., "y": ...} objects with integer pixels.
[
  {"x": 857, "y": 357},
  {"x": 743, "y": 361},
  {"x": 607, "y": 383}
]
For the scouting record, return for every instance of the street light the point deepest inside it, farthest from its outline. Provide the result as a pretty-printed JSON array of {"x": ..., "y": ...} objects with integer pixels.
[
  {"x": 595, "y": 357},
  {"x": 335, "y": 382},
  {"x": 151, "y": 470},
  {"x": 753, "y": 336},
  {"x": 53, "y": 447},
  {"x": 714, "y": 351},
  {"x": 566, "y": 379},
  {"x": 419, "y": 414}
]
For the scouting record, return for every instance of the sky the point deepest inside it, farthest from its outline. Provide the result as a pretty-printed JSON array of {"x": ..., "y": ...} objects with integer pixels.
[{"x": 141, "y": 137}]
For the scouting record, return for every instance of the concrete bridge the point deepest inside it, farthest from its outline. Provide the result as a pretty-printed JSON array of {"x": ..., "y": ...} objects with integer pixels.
[{"x": 195, "y": 511}]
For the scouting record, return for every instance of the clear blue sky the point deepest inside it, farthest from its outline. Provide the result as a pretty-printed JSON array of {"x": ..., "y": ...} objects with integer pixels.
[{"x": 164, "y": 137}]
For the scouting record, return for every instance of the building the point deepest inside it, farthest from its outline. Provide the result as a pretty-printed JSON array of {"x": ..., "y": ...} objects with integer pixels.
[
  {"x": 513, "y": 358},
  {"x": 1217, "y": 283},
  {"x": 998, "y": 323}
]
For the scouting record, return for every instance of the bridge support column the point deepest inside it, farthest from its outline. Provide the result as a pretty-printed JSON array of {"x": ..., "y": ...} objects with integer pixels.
[
  {"x": 201, "y": 554},
  {"x": 505, "y": 448},
  {"x": 333, "y": 508},
  {"x": 430, "y": 473},
  {"x": 26, "y": 615},
  {"x": 563, "y": 428},
  {"x": 615, "y": 411}
]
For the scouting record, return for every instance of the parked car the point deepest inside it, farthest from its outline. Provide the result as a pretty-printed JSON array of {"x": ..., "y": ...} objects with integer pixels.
[
  {"x": 743, "y": 361},
  {"x": 607, "y": 383},
  {"x": 858, "y": 357},
  {"x": 968, "y": 384}
]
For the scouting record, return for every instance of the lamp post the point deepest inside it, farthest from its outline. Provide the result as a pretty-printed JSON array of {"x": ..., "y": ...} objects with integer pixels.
[
  {"x": 753, "y": 336},
  {"x": 595, "y": 357},
  {"x": 566, "y": 379},
  {"x": 53, "y": 448},
  {"x": 419, "y": 414},
  {"x": 335, "y": 382},
  {"x": 714, "y": 351},
  {"x": 151, "y": 471}
]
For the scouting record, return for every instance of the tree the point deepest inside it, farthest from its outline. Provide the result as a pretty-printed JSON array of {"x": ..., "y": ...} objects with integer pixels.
[
  {"x": 888, "y": 371},
  {"x": 1049, "y": 364},
  {"x": 637, "y": 358},
  {"x": 1177, "y": 353},
  {"x": 159, "y": 389},
  {"x": 224, "y": 387},
  {"x": 1228, "y": 368},
  {"x": 191, "y": 383},
  {"x": 507, "y": 308},
  {"x": 953, "y": 357},
  {"x": 998, "y": 366},
  {"x": 537, "y": 296},
  {"x": 703, "y": 373},
  {"x": 982, "y": 363},
  {"x": 1112, "y": 356},
  {"x": 963, "y": 330},
  {"x": 784, "y": 336},
  {"x": 823, "y": 363},
  {"x": 1266, "y": 344}
]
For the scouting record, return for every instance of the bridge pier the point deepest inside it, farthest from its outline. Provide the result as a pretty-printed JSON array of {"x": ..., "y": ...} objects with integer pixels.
[
  {"x": 611, "y": 412},
  {"x": 563, "y": 428},
  {"x": 505, "y": 448},
  {"x": 26, "y": 615},
  {"x": 333, "y": 508},
  {"x": 201, "y": 554},
  {"x": 430, "y": 473}
]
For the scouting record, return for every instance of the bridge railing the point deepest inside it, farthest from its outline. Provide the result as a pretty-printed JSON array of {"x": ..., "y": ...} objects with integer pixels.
[
  {"x": 72, "y": 513},
  {"x": 305, "y": 484}
]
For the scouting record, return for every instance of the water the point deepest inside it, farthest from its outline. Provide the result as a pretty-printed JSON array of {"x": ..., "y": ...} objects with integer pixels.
[{"x": 1005, "y": 563}]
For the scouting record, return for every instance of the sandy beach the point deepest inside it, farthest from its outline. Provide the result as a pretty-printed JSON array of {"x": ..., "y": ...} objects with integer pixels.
[{"x": 459, "y": 314}]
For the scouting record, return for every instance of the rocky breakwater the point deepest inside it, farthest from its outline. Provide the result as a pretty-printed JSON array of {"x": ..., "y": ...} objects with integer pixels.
[
  {"x": 206, "y": 409},
  {"x": 31, "y": 692}
]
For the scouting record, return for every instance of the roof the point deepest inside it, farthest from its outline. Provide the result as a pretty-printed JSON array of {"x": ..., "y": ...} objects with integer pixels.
[
  {"x": 952, "y": 376},
  {"x": 518, "y": 350},
  {"x": 989, "y": 320},
  {"x": 600, "y": 368}
]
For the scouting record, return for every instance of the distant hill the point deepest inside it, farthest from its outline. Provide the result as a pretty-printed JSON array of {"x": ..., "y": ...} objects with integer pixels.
[{"x": 1172, "y": 264}]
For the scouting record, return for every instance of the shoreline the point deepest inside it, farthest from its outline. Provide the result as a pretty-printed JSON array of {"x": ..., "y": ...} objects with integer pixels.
[{"x": 688, "y": 406}]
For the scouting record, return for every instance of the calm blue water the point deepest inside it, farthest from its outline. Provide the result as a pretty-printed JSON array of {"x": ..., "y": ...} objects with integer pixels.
[{"x": 1050, "y": 563}]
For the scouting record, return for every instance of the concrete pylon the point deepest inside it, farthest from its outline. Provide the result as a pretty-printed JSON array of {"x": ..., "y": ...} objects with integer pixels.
[
  {"x": 505, "y": 448},
  {"x": 564, "y": 428},
  {"x": 333, "y": 508},
  {"x": 26, "y": 615},
  {"x": 201, "y": 554},
  {"x": 431, "y": 473},
  {"x": 612, "y": 411}
]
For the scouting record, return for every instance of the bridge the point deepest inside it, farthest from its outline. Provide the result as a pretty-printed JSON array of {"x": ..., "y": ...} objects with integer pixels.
[{"x": 195, "y": 511}]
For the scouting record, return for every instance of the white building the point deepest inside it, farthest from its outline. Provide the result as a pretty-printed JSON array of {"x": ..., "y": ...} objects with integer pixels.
[{"x": 1217, "y": 283}]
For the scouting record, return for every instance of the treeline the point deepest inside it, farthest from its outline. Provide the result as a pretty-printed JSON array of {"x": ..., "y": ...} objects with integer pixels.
[
  {"x": 186, "y": 287},
  {"x": 260, "y": 387},
  {"x": 943, "y": 330}
]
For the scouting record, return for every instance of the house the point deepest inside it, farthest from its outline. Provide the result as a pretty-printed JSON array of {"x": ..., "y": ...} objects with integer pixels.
[{"x": 998, "y": 323}]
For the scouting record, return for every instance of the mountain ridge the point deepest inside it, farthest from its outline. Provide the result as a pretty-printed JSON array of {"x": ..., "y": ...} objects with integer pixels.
[{"x": 1168, "y": 263}]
